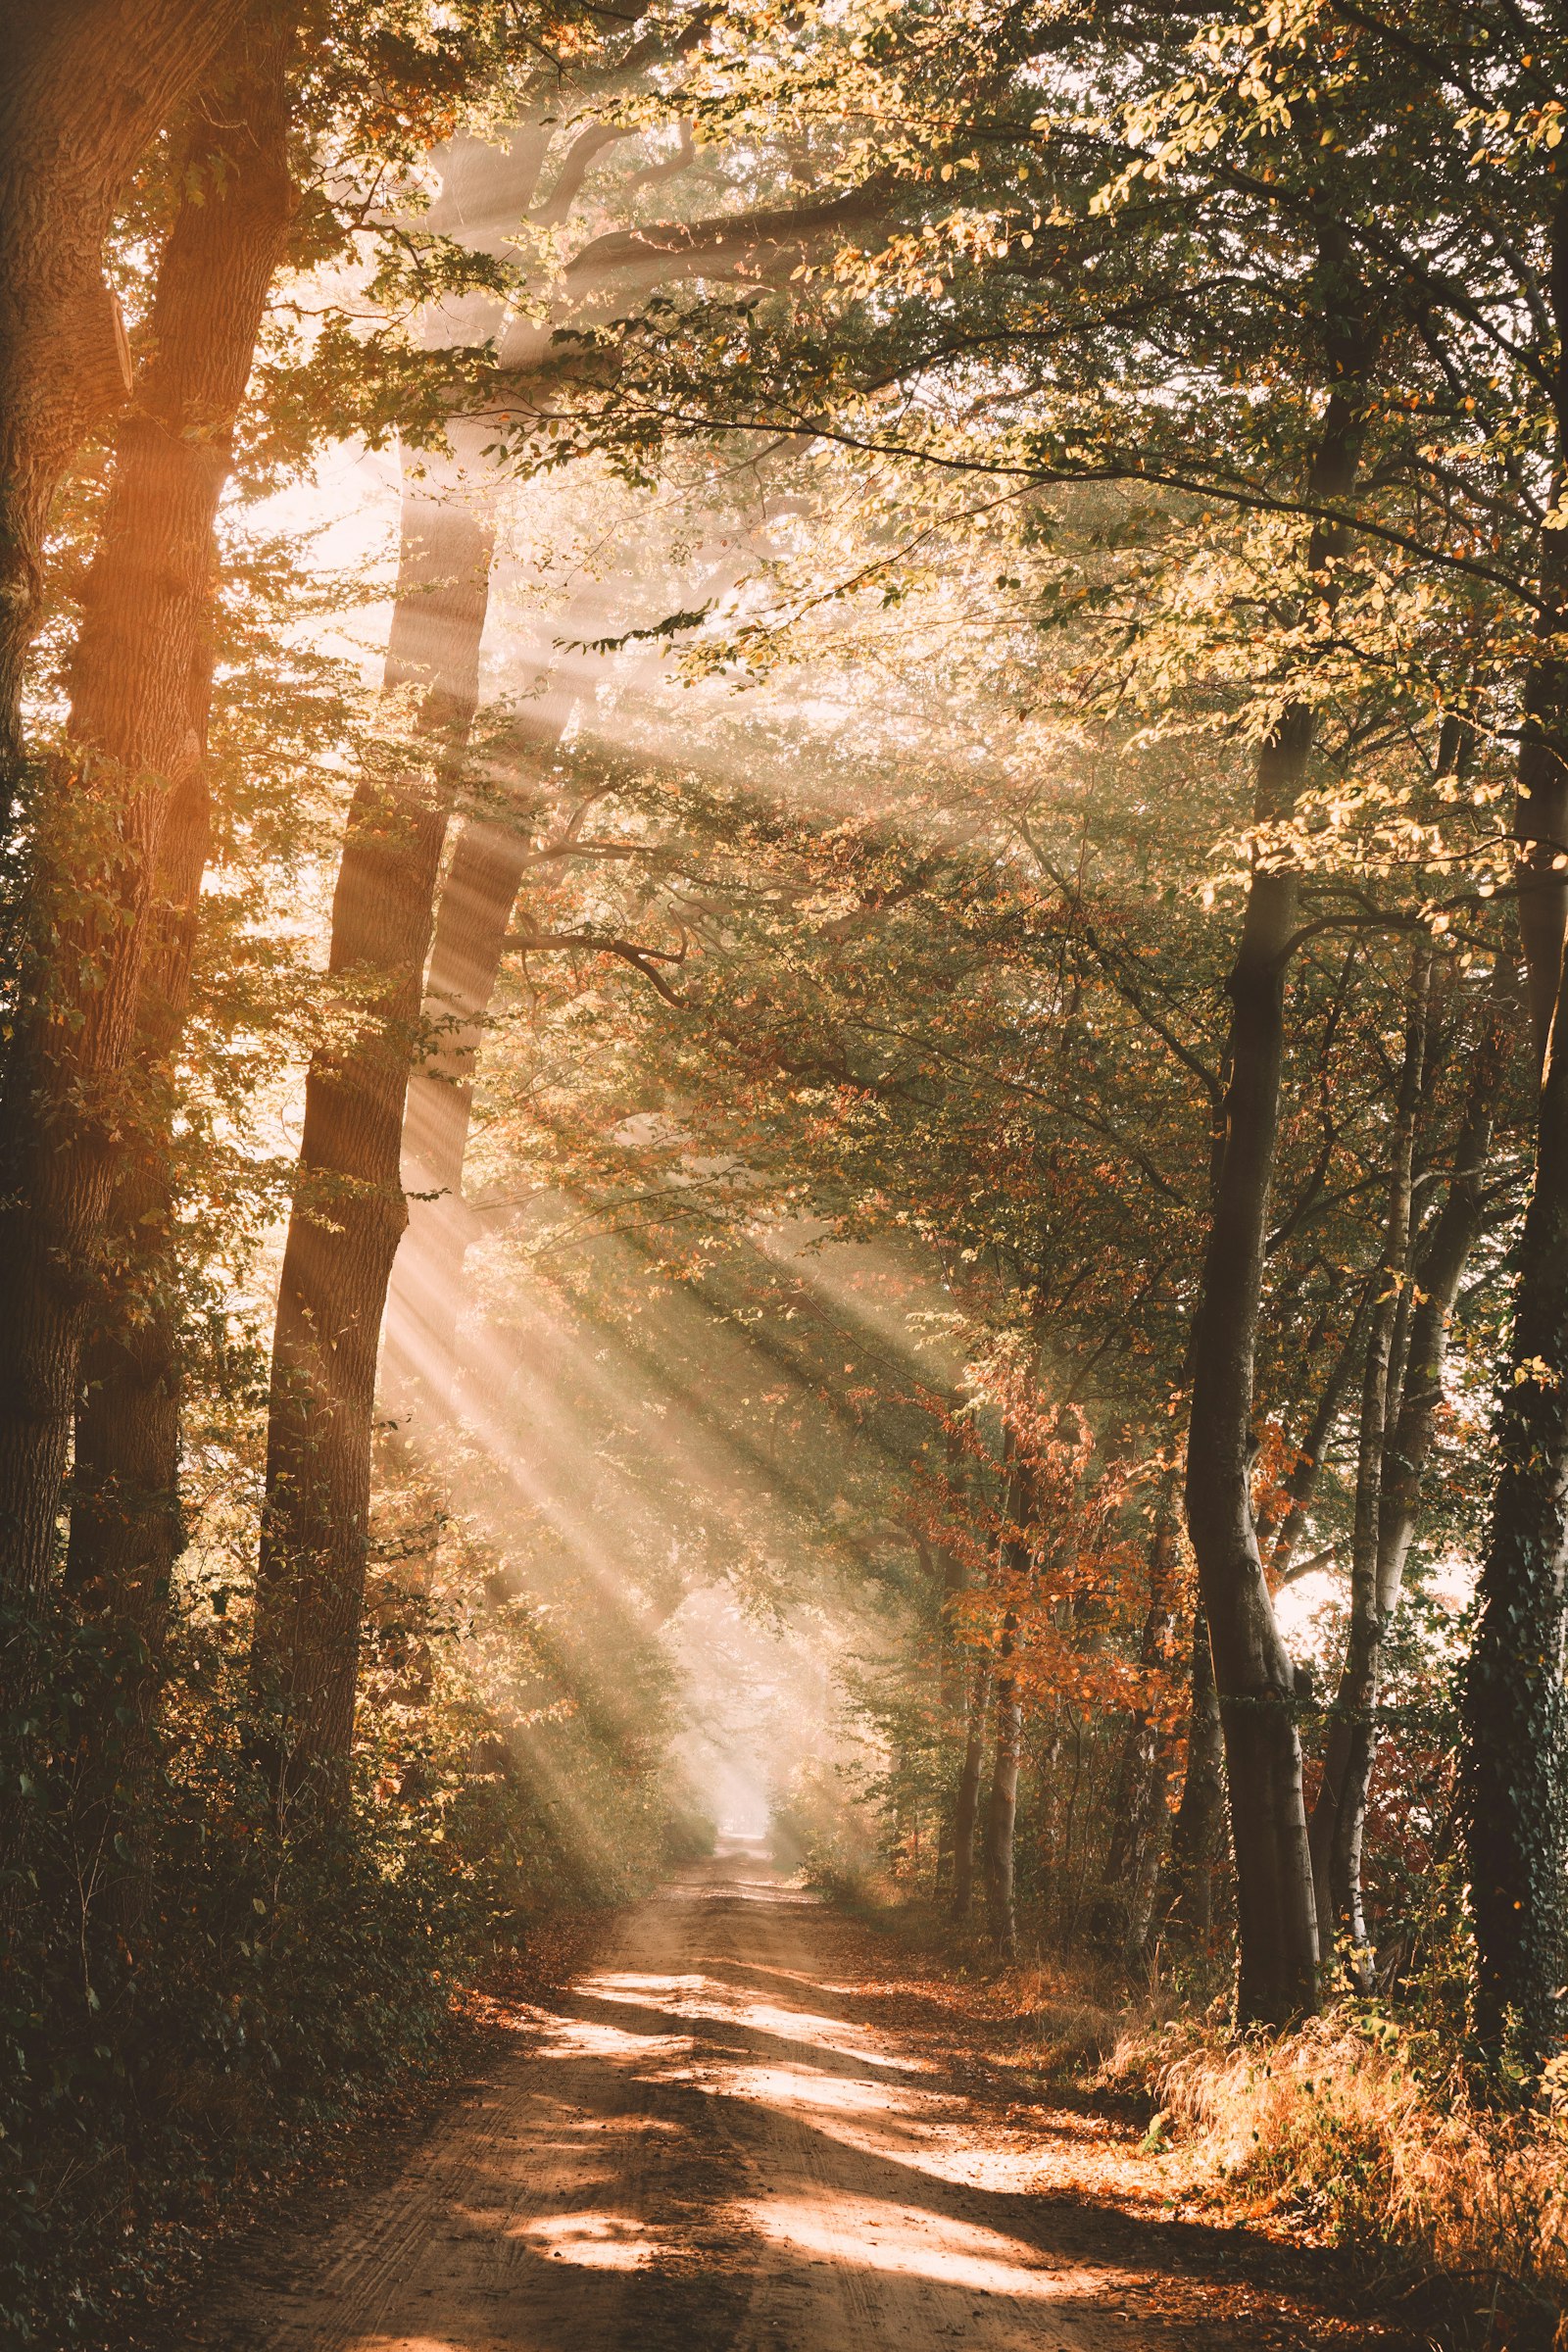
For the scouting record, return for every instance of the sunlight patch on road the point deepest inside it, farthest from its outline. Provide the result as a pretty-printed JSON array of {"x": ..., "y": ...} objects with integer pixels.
[
  {"x": 704, "y": 1998},
  {"x": 863, "y": 2233},
  {"x": 654, "y": 1993},
  {"x": 788, "y": 2087},
  {"x": 404, "y": 2343},
  {"x": 829, "y": 2034},
  {"x": 587, "y": 2037},
  {"x": 594, "y": 2241}
]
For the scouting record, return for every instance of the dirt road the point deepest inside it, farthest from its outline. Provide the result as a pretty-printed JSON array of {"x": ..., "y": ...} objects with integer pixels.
[{"x": 713, "y": 2144}]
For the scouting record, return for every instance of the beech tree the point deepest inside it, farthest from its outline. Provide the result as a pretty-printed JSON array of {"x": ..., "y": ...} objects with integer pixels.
[
  {"x": 350, "y": 1212},
  {"x": 86, "y": 94},
  {"x": 911, "y": 1008}
]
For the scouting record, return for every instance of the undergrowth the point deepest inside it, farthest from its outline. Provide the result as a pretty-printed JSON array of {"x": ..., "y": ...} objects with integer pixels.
[
  {"x": 209, "y": 2000},
  {"x": 1366, "y": 2130}
]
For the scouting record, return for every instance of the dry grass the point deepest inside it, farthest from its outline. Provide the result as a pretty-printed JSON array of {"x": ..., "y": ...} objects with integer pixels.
[{"x": 1344, "y": 2125}]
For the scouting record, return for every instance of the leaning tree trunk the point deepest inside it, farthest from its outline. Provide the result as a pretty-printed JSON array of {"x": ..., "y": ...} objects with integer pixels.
[
  {"x": 349, "y": 1209},
  {"x": 474, "y": 922},
  {"x": 1406, "y": 1418},
  {"x": 139, "y": 688},
  {"x": 1514, "y": 1753},
  {"x": 1282, "y": 1538},
  {"x": 472, "y": 925},
  {"x": 1276, "y": 1913}
]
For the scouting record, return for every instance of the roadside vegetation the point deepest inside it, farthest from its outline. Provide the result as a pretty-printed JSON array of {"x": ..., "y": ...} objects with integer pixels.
[{"x": 783, "y": 877}]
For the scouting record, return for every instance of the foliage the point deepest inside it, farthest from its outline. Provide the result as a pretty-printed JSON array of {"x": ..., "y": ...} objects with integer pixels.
[{"x": 271, "y": 1976}]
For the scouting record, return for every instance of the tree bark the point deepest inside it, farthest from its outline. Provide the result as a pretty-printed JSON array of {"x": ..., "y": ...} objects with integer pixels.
[
  {"x": 1198, "y": 1835},
  {"x": 1002, "y": 1799},
  {"x": 1125, "y": 1908},
  {"x": 1276, "y": 1915},
  {"x": 85, "y": 91},
  {"x": 349, "y": 1209},
  {"x": 1334, "y": 1830},
  {"x": 966, "y": 1805},
  {"x": 1514, "y": 1753},
  {"x": 472, "y": 924},
  {"x": 139, "y": 694}
]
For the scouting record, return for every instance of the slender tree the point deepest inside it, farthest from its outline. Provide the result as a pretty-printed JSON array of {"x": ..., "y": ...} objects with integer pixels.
[{"x": 1402, "y": 1396}]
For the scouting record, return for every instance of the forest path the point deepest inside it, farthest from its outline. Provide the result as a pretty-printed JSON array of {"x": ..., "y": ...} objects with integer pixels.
[{"x": 717, "y": 2142}]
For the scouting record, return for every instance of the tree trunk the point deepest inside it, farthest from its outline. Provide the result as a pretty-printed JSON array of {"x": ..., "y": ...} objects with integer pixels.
[
  {"x": 471, "y": 927},
  {"x": 1338, "y": 1818},
  {"x": 951, "y": 1693},
  {"x": 966, "y": 1806},
  {"x": 1277, "y": 1957},
  {"x": 1335, "y": 1832},
  {"x": 1301, "y": 1483},
  {"x": 1001, "y": 1801},
  {"x": 349, "y": 1209},
  {"x": 1276, "y": 1915},
  {"x": 1125, "y": 1908},
  {"x": 1514, "y": 1754},
  {"x": 1198, "y": 1834},
  {"x": 85, "y": 91},
  {"x": 140, "y": 682}
]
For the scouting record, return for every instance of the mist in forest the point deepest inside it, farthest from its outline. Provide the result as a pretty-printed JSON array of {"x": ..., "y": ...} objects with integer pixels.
[{"x": 782, "y": 914}]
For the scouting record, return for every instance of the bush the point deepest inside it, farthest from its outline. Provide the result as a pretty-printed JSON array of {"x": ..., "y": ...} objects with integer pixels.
[
  {"x": 690, "y": 1835},
  {"x": 1372, "y": 2136},
  {"x": 279, "y": 1972}
]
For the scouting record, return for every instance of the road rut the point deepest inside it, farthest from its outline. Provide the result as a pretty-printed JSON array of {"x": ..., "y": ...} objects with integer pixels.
[{"x": 707, "y": 2144}]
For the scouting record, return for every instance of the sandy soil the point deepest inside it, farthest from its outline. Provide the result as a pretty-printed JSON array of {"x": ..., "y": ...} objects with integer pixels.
[{"x": 735, "y": 2132}]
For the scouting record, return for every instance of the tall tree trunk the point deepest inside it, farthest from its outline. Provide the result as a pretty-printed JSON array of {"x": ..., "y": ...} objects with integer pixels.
[
  {"x": 1002, "y": 1799},
  {"x": 966, "y": 1804},
  {"x": 85, "y": 91},
  {"x": 1301, "y": 1483},
  {"x": 1198, "y": 1835},
  {"x": 1125, "y": 1908},
  {"x": 1349, "y": 1760},
  {"x": 349, "y": 1209},
  {"x": 1276, "y": 1914},
  {"x": 139, "y": 692},
  {"x": 943, "y": 1569},
  {"x": 1514, "y": 1754},
  {"x": 472, "y": 924},
  {"x": 1335, "y": 1832}
]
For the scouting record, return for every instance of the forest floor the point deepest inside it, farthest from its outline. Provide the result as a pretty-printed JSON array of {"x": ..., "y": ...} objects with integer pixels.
[{"x": 753, "y": 2124}]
